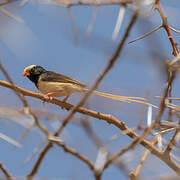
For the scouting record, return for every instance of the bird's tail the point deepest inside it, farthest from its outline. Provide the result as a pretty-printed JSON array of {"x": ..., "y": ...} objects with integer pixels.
[{"x": 124, "y": 98}]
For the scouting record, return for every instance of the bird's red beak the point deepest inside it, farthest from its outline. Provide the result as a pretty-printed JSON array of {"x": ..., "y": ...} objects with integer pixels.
[{"x": 25, "y": 73}]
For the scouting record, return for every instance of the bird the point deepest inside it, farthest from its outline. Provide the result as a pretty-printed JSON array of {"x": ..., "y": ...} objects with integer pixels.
[{"x": 53, "y": 84}]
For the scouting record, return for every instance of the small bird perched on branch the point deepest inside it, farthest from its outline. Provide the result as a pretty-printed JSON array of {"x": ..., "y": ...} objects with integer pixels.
[{"x": 53, "y": 84}]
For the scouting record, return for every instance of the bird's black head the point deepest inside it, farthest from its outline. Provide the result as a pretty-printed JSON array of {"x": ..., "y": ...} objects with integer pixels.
[{"x": 33, "y": 72}]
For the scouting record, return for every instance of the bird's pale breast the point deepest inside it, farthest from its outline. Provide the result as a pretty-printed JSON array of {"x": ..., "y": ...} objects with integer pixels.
[{"x": 58, "y": 89}]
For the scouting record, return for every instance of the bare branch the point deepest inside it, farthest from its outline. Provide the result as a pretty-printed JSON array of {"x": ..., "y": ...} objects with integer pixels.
[
  {"x": 72, "y": 151},
  {"x": 4, "y": 2},
  {"x": 147, "y": 34},
  {"x": 166, "y": 27},
  {"x": 9, "y": 14},
  {"x": 108, "y": 118},
  {"x": 16, "y": 90},
  {"x": 38, "y": 162},
  {"x": 10, "y": 140},
  {"x": 6, "y": 173},
  {"x": 100, "y": 145},
  {"x": 93, "y": 18},
  {"x": 68, "y": 3},
  {"x": 175, "y": 30},
  {"x": 172, "y": 141},
  {"x": 132, "y": 145},
  {"x": 137, "y": 171}
]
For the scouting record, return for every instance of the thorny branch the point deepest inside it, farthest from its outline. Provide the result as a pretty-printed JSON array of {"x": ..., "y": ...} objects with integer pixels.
[
  {"x": 164, "y": 156},
  {"x": 132, "y": 145},
  {"x": 166, "y": 26},
  {"x": 73, "y": 152},
  {"x": 100, "y": 145},
  {"x": 108, "y": 118}
]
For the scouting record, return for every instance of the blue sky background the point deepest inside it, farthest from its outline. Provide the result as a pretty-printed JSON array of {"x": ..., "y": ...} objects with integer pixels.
[{"x": 46, "y": 38}]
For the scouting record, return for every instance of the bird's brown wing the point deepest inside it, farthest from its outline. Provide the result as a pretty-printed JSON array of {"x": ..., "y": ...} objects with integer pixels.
[{"x": 56, "y": 77}]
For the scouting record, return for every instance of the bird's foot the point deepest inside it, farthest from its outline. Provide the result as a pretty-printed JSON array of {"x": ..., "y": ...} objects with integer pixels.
[
  {"x": 48, "y": 96},
  {"x": 64, "y": 101}
]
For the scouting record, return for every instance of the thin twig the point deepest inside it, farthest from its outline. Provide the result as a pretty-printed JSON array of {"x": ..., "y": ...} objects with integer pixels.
[
  {"x": 73, "y": 152},
  {"x": 38, "y": 162},
  {"x": 171, "y": 77},
  {"x": 166, "y": 27},
  {"x": 93, "y": 19},
  {"x": 16, "y": 90},
  {"x": 132, "y": 145},
  {"x": 6, "y": 173},
  {"x": 35, "y": 151},
  {"x": 10, "y": 140},
  {"x": 175, "y": 30},
  {"x": 73, "y": 25},
  {"x": 147, "y": 34},
  {"x": 172, "y": 141},
  {"x": 66, "y": 148},
  {"x": 4, "y": 2},
  {"x": 9, "y": 14},
  {"x": 100, "y": 145},
  {"x": 137, "y": 171}
]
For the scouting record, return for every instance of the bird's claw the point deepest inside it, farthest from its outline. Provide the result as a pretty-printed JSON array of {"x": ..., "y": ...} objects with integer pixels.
[
  {"x": 48, "y": 97},
  {"x": 64, "y": 101}
]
